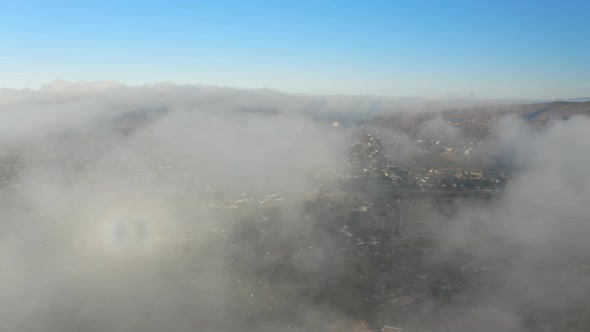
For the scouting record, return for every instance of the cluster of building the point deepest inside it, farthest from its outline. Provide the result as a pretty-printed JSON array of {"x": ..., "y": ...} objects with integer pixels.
[
  {"x": 457, "y": 179},
  {"x": 419, "y": 170}
]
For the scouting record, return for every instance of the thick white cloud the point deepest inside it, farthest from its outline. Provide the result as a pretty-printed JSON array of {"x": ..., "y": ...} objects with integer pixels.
[{"x": 103, "y": 187}]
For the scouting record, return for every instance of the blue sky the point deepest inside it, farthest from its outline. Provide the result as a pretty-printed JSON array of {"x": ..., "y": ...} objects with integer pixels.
[{"x": 488, "y": 49}]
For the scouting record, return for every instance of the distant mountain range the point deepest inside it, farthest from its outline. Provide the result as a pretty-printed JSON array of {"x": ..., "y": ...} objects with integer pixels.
[
  {"x": 477, "y": 121},
  {"x": 579, "y": 99},
  {"x": 403, "y": 115}
]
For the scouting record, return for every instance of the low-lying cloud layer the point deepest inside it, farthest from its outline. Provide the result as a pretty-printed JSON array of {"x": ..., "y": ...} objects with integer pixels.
[
  {"x": 536, "y": 235},
  {"x": 103, "y": 187},
  {"x": 109, "y": 202}
]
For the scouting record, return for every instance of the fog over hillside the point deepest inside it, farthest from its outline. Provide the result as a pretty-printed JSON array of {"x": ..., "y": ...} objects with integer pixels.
[{"x": 131, "y": 208}]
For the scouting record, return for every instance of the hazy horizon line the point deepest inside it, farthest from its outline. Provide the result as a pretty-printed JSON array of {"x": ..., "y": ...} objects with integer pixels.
[{"x": 112, "y": 83}]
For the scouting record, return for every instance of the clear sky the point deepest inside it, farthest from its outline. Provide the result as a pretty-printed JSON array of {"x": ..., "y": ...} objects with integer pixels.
[{"x": 489, "y": 49}]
